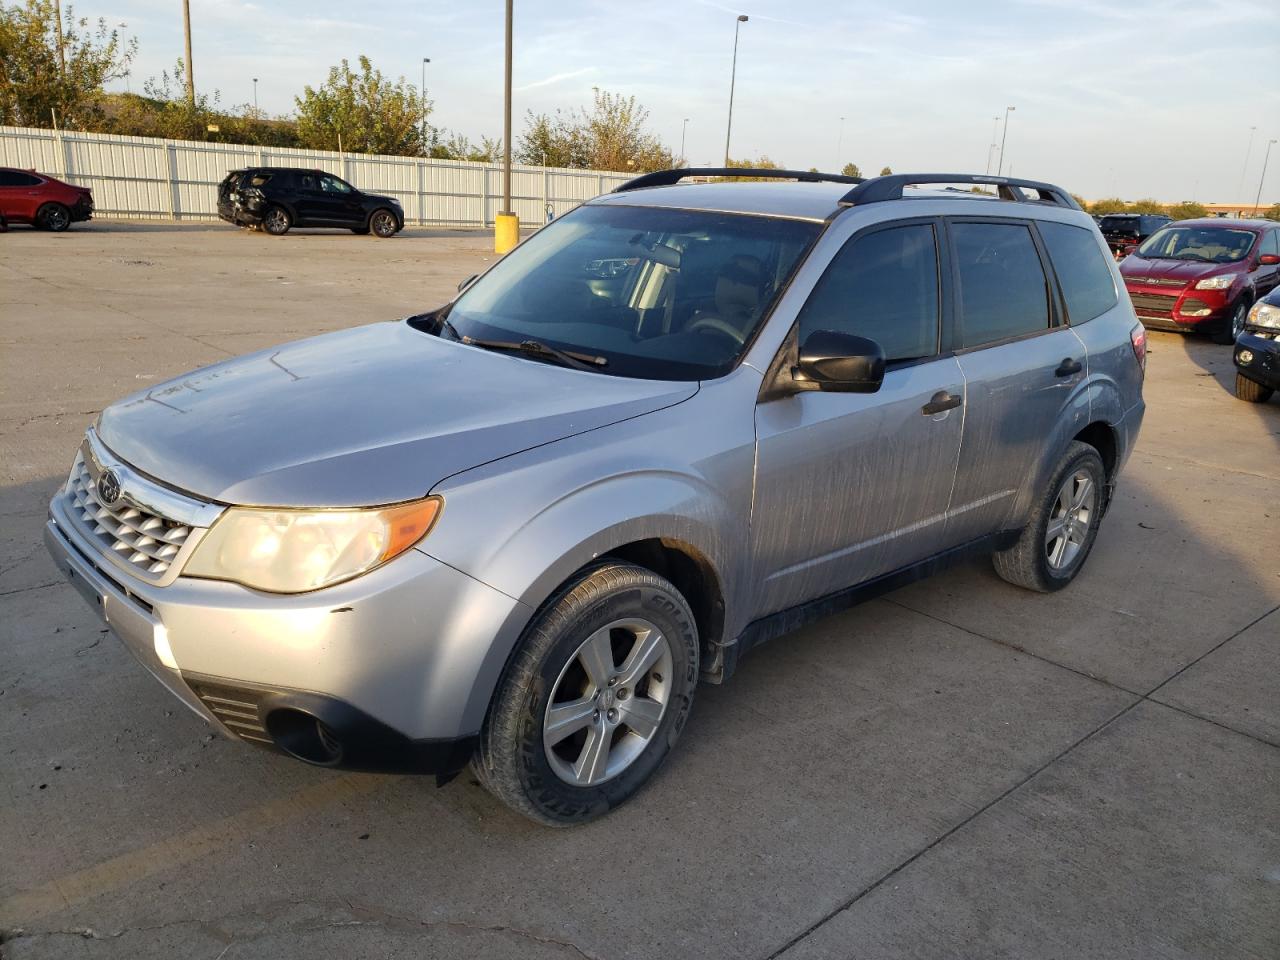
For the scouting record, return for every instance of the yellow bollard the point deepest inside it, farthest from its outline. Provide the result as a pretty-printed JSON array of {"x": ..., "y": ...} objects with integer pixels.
[{"x": 506, "y": 232}]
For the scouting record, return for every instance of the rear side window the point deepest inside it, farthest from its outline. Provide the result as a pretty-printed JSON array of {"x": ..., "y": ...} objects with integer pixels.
[
  {"x": 307, "y": 181},
  {"x": 1082, "y": 270},
  {"x": 256, "y": 179},
  {"x": 883, "y": 286},
  {"x": 1003, "y": 292},
  {"x": 12, "y": 178}
]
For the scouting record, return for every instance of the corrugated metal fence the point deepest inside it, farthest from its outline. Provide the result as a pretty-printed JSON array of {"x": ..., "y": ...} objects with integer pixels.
[{"x": 150, "y": 179}]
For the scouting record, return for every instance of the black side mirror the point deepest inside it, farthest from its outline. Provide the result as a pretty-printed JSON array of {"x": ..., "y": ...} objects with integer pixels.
[
  {"x": 840, "y": 363},
  {"x": 467, "y": 282}
]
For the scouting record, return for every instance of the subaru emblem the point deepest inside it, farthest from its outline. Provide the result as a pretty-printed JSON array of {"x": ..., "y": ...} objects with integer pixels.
[{"x": 108, "y": 487}]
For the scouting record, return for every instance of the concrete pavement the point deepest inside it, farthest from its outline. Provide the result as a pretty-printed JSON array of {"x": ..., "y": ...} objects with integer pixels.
[{"x": 960, "y": 769}]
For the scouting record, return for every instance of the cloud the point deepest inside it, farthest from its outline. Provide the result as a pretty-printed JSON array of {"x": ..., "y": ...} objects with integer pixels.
[{"x": 556, "y": 78}]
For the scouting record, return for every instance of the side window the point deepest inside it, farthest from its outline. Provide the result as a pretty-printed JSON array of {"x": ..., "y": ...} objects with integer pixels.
[
  {"x": 1003, "y": 292},
  {"x": 307, "y": 181},
  {"x": 1270, "y": 243},
  {"x": 883, "y": 286},
  {"x": 1086, "y": 279},
  {"x": 258, "y": 179},
  {"x": 333, "y": 185},
  {"x": 12, "y": 178}
]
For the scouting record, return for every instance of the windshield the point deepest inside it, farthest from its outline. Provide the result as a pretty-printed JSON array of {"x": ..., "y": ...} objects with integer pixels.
[
  {"x": 1206, "y": 244},
  {"x": 657, "y": 293}
]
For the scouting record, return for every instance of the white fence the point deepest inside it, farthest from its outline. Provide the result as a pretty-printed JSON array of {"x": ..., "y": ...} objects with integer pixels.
[{"x": 150, "y": 179}]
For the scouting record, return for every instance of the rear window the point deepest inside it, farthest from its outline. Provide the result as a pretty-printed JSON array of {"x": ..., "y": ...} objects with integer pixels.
[
  {"x": 1119, "y": 225},
  {"x": 1082, "y": 270}
]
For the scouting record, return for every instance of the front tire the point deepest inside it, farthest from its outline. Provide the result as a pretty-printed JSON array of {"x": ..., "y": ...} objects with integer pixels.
[
  {"x": 383, "y": 223},
  {"x": 1251, "y": 390},
  {"x": 1056, "y": 541},
  {"x": 54, "y": 217},
  {"x": 1228, "y": 332},
  {"x": 594, "y": 698}
]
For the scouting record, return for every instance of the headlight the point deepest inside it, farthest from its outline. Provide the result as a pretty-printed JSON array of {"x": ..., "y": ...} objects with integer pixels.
[
  {"x": 1264, "y": 315},
  {"x": 1215, "y": 283},
  {"x": 292, "y": 551}
]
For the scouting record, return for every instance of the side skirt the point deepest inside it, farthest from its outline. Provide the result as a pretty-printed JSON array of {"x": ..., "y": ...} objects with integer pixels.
[{"x": 785, "y": 621}]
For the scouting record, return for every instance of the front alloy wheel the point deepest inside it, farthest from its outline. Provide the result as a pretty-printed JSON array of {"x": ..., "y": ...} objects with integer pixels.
[{"x": 383, "y": 223}]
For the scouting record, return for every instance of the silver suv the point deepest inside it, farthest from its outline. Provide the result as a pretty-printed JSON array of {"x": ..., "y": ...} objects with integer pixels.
[{"x": 678, "y": 422}]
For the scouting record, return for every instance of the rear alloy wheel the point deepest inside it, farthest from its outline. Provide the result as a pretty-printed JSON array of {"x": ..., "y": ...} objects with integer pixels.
[
  {"x": 277, "y": 221},
  {"x": 1060, "y": 532},
  {"x": 383, "y": 223},
  {"x": 1251, "y": 390},
  {"x": 54, "y": 216},
  {"x": 594, "y": 698}
]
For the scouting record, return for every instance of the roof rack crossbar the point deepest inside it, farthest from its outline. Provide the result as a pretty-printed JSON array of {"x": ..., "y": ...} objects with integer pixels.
[
  {"x": 890, "y": 187},
  {"x": 665, "y": 178}
]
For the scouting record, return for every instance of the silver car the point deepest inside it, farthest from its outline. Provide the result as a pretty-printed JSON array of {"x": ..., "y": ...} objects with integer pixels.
[{"x": 674, "y": 424}]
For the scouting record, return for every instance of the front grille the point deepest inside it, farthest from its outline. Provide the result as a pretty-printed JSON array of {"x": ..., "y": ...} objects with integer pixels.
[
  {"x": 1157, "y": 282},
  {"x": 236, "y": 708},
  {"x": 1154, "y": 303},
  {"x": 148, "y": 543}
]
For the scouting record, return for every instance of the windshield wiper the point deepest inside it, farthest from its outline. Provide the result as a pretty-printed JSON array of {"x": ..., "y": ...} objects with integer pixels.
[{"x": 541, "y": 351}]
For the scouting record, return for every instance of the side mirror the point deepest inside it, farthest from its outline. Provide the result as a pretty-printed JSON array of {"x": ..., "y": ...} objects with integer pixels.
[
  {"x": 1268, "y": 260},
  {"x": 840, "y": 363},
  {"x": 468, "y": 282}
]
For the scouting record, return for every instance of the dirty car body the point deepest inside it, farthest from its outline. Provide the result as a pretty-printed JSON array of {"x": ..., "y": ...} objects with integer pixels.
[{"x": 674, "y": 384}]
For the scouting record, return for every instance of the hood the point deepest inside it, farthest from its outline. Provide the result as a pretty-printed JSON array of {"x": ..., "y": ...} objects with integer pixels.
[
  {"x": 1138, "y": 269},
  {"x": 366, "y": 416}
]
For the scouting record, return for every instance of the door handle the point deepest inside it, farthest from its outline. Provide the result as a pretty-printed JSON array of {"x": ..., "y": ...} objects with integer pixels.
[
  {"x": 940, "y": 402},
  {"x": 1068, "y": 367}
]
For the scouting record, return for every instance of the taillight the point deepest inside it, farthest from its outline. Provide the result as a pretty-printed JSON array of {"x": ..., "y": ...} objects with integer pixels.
[{"x": 1138, "y": 340}]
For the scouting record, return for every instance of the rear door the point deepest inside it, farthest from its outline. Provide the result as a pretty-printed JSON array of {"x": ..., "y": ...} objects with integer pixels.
[
  {"x": 850, "y": 486},
  {"x": 308, "y": 199},
  {"x": 1020, "y": 362}
]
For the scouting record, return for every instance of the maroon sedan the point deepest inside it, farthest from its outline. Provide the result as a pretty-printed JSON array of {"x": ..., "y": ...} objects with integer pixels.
[
  {"x": 1203, "y": 275},
  {"x": 42, "y": 200}
]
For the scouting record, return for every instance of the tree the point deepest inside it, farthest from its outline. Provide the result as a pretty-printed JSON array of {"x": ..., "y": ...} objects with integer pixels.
[
  {"x": 366, "y": 111},
  {"x": 458, "y": 147},
  {"x": 886, "y": 172},
  {"x": 1108, "y": 205},
  {"x": 1187, "y": 210},
  {"x": 851, "y": 170},
  {"x": 1146, "y": 205},
  {"x": 1273, "y": 213},
  {"x": 32, "y": 81},
  {"x": 608, "y": 135}
]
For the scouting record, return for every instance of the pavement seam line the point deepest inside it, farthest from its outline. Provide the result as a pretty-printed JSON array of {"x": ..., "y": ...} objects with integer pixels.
[
  {"x": 1214, "y": 649},
  {"x": 889, "y": 875},
  {"x": 1149, "y": 696}
]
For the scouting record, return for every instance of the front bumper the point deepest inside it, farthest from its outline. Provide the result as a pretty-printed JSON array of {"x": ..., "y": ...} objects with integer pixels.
[
  {"x": 1264, "y": 368},
  {"x": 396, "y": 666},
  {"x": 1165, "y": 308}
]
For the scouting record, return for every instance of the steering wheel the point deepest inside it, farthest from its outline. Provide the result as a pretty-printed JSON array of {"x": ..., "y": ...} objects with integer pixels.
[{"x": 719, "y": 326}]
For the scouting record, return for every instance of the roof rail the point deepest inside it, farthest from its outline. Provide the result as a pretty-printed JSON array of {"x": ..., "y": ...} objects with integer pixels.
[
  {"x": 665, "y": 178},
  {"x": 890, "y": 187}
]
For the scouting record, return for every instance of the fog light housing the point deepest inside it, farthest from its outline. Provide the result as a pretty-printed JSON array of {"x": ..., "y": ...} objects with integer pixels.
[
  {"x": 164, "y": 652},
  {"x": 1244, "y": 357},
  {"x": 1193, "y": 307}
]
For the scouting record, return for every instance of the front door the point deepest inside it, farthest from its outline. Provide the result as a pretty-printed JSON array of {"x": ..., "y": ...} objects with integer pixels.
[
  {"x": 341, "y": 202},
  {"x": 851, "y": 486}
]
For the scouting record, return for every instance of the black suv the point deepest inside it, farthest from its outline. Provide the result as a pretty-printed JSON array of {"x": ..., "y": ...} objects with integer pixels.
[
  {"x": 1124, "y": 231},
  {"x": 277, "y": 198}
]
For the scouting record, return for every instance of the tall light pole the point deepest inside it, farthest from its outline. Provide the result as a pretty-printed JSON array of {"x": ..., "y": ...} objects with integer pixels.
[
  {"x": 186, "y": 28},
  {"x": 1265, "y": 157},
  {"x": 423, "y": 91},
  {"x": 839, "y": 145},
  {"x": 1244, "y": 171},
  {"x": 991, "y": 147},
  {"x": 255, "y": 97},
  {"x": 733, "y": 76},
  {"x": 684, "y": 128},
  {"x": 62, "y": 53},
  {"x": 1003, "y": 136},
  {"x": 506, "y": 226}
]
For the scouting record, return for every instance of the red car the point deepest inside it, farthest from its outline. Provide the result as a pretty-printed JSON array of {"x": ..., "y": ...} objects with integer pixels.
[
  {"x": 42, "y": 200},
  {"x": 1203, "y": 275}
]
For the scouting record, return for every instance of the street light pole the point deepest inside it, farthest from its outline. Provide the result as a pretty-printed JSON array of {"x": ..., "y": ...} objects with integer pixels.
[
  {"x": 62, "y": 53},
  {"x": 684, "y": 128},
  {"x": 733, "y": 76},
  {"x": 1004, "y": 135},
  {"x": 1244, "y": 171},
  {"x": 255, "y": 97},
  {"x": 423, "y": 91},
  {"x": 186, "y": 27},
  {"x": 506, "y": 232},
  {"x": 1265, "y": 157},
  {"x": 991, "y": 147},
  {"x": 839, "y": 144}
]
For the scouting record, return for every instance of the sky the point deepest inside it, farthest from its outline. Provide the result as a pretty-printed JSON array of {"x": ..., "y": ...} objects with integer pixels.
[{"x": 1112, "y": 97}]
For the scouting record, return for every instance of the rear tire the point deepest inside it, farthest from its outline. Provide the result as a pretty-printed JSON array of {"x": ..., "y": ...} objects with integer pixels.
[
  {"x": 1251, "y": 391},
  {"x": 1056, "y": 541},
  {"x": 594, "y": 697},
  {"x": 54, "y": 217},
  {"x": 276, "y": 221}
]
